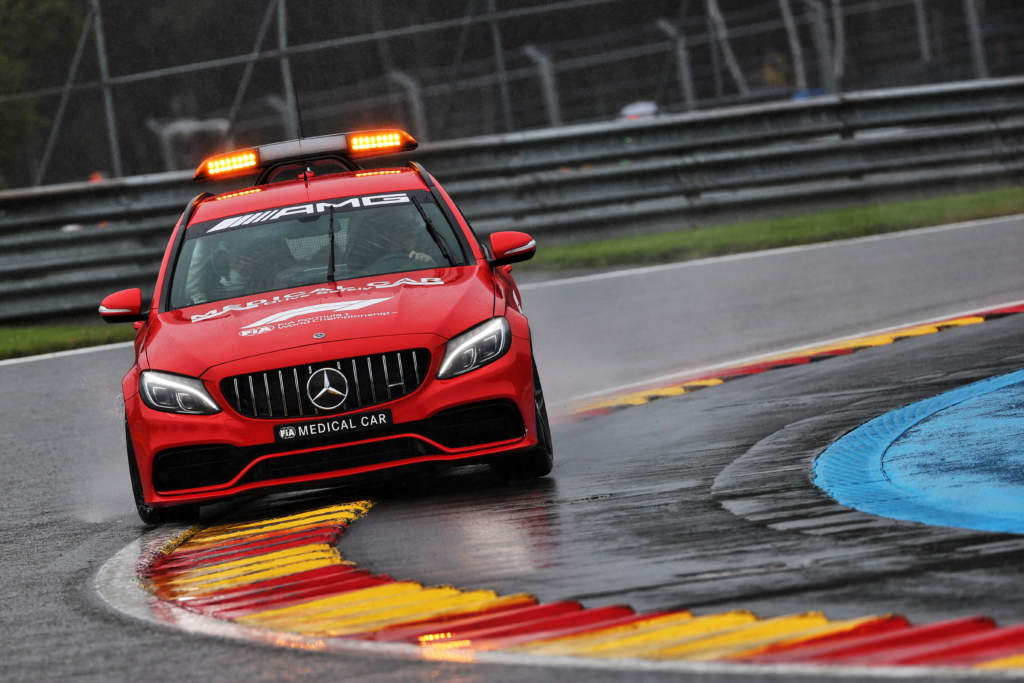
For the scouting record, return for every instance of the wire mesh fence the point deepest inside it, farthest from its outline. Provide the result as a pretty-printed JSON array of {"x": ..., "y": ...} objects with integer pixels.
[{"x": 140, "y": 89}]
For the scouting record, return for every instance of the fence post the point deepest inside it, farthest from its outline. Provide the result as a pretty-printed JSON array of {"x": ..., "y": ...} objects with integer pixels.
[
  {"x": 822, "y": 44},
  {"x": 838, "y": 45},
  {"x": 922, "y": 31},
  {"x": 499, "y": 64},
  {"x": 974, "y": 35},
  {"x": 292, "y": 120},
  {"x": 65, "y": 95},
  {"x": 722, "y": 33},
  {"x": 415, "y": 95},
  {"x": 716, "y": 57},
  {"x": 546, "y": 71},
  {"x": 108, "y": 96},
  {"x": 682, "y": 61},
  {"x": 799, "y": 70},
  {"x": 243, "y": 85}
]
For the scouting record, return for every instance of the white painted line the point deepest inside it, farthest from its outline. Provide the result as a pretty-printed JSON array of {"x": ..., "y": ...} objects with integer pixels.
[
  {"x": 682, "y": 375},
  {"x": 118, "y": 584},
  {"x": 697, "y": 263},
  {"x": 62, "y": 354}
]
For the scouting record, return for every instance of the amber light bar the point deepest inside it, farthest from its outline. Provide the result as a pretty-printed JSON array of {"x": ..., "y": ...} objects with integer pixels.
[
  {"x": 233, "y": 162},
  {"x": 379, "y": 142},
  {"x": 364, "y": 143}
]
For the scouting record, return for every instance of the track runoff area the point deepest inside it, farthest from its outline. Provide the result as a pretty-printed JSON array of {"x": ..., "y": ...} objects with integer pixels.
[{"x": 281, "y": 580}]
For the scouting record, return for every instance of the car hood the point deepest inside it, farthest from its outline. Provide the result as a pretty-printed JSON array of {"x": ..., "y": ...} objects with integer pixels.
[{"x": 443, "y": 301}]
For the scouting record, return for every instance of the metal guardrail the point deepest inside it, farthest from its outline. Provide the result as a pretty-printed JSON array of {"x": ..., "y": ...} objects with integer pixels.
[{"x": 63, "y": 247}]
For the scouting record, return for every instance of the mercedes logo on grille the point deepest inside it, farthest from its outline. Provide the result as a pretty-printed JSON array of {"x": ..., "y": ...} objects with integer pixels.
[{"x": 327, "y": 388}]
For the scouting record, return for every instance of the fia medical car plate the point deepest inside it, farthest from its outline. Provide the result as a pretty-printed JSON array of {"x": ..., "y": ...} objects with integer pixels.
[{"x": 342, "y": 425}]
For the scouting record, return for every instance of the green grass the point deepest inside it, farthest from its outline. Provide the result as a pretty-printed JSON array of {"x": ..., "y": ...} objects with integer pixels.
[
  {"x": 779, "y": 232},
  {"x": 660, "y": 248},
  {"x": 28, "y": 341}
]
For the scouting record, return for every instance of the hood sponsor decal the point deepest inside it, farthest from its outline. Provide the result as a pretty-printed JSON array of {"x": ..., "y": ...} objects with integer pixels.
[
  {"x": 332, "y": 306},
  {"x": 253, "y": 332},
  {"x": 317, "y": 313},
  {"x": 292, "y": 296}
]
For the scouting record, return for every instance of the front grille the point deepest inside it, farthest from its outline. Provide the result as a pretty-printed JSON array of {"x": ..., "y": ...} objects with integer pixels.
[{"x": 281, "y": 393}]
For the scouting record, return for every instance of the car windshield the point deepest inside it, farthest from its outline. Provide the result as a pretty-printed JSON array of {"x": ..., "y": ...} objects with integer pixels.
[{"x": 290, "y": 246}]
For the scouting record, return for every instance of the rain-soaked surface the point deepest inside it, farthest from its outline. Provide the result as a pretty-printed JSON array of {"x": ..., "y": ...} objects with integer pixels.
[
  {"x": 699, "y": 501},
  {"x": 630, "y": 516},
  {"x": 954, "y": 459}
]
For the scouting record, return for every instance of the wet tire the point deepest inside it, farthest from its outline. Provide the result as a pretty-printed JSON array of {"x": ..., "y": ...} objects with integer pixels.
[
  {"x": 538, "y": 461},
  {"x": 153, "y": 516}
]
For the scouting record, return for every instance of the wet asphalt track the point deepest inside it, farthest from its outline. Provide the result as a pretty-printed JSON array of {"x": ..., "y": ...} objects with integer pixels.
[{"x": 700, "y": 501}]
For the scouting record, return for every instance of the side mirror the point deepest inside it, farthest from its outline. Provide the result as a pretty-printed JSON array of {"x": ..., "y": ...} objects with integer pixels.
[
  {"x": 123, "y": 307},
  {"x": 510, "y": 246}
]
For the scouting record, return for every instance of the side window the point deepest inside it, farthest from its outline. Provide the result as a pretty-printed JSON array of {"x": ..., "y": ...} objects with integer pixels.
[{"x": 485, "y": 244}]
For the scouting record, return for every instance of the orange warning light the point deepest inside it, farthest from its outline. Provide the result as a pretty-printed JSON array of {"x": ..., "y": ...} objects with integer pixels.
[
  {"x": 227, "y": 163},
  {"x": 379, "y": 142},
  {"x": 390, "y": 171},
  {"x": 229, "y": 195}
]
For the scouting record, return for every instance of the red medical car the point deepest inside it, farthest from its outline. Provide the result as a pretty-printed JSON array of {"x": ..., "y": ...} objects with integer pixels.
[{"x": 325, "y": 322}]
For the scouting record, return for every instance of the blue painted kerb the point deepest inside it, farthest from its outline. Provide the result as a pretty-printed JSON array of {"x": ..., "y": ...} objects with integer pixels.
[{"x": 956, "y": 459}]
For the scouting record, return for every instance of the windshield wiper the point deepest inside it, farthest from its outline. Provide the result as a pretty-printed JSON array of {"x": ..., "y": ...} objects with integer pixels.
[
  {"x": 330, "y": 240},
  {"x": 434, "y": 234}
]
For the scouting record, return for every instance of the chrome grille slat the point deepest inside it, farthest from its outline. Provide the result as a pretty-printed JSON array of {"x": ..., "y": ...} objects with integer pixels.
[
  {"x": 369, "y": 369},
  {"x": 298, "y": 390},
  {"x": 284, "y": 396},
  {"x": 397, "y": 374},
  {"x": 270, "y": 403},
  {"x": 345, "y": 403},
  {"x": 387, "y": 375},
  {"x": 316, "y": 411},
  {"x": 355, "y": 384},
  {"x": 252, "y": 395},
  {"x": 387, "y": 378}
]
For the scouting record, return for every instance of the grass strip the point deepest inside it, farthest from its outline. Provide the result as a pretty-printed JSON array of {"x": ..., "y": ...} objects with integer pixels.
[
  {"x": 28, "y": 341},
  {"x": 660, "y": 248},
  {"x": 780, "y": 232}
]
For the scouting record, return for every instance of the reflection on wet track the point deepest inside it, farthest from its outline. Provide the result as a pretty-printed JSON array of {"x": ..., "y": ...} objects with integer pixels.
[{"x": 282, "y": 573}]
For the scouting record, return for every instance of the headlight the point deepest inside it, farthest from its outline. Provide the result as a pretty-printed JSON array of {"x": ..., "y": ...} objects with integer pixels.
[
  {"x": 475, "y": 347},
  {"x": 175, "y": 394}
]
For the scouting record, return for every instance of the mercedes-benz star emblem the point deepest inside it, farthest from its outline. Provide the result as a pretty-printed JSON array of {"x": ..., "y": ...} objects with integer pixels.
[{"x": 327, "y": 388}]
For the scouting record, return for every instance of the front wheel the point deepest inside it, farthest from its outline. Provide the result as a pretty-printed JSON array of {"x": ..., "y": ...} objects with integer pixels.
[
  {"x": 538, "y": 461},
  {"x": 153, "y": 516}
]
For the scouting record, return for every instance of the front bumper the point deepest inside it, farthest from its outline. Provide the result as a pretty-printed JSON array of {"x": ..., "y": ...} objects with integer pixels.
[{"x": 201, "y": 458}]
